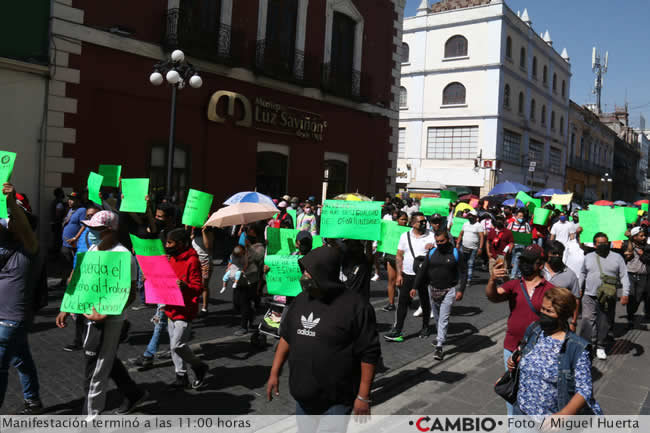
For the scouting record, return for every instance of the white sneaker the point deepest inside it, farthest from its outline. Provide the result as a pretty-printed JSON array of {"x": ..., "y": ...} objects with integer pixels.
[
  {"x": 418, "y": 312},
  {"x": 223, "y": 289},
  {"x": 600, "y": 354},
  {"x": 431, "y": 315},
  {"x": 234, "y": 285},
  {"x": 375, "y": 278}
]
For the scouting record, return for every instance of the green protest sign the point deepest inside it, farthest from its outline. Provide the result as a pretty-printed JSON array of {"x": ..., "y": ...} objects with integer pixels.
[
  {"x": 7, "y": 160},
  {"x": 135, "y": 192},
  {"x": 294, "y": 217},
  {"x": 101, "y": 279},
  {"x": 430, "y": 206},
  {"x": 283, "y": 277},
  {"x": 147, "y": 247},
  {"x": 390, "y": 234},
  {"x": 359, "y": 220},
  {"x": 94, "y": 185},
  {"x": 540, "y": 216},
  {"x": 197, "y": 208},
  {"x": 317, "y": 242},
  {"x": 281, "y": 241},
  {"x": 644, "y": 207},
  {"x": 111, "y": 174},
  {"x": 611, "y": 222},
  {"x": 451, "y": 195},
  {"x": 522, "y": 238},
  {"x": 597, "y": 208},
  {"x": 631, "y": 214},
  {"x": 525, "y": 199},
  {"x": 457, "y": 226}
]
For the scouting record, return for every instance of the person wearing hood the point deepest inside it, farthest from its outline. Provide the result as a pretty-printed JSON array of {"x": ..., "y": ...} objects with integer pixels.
[
  {"x": 330, "y": 338},
  {"x": 601, "y": 268},
  {"x": 560, "y": 275}
]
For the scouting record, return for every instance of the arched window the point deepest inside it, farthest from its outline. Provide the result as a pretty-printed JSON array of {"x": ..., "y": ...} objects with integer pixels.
[
  {"x": 453, "y": 94},
  {"x": 520, "y": 109},
  {"x": 534, "y": 67},
  {"x": 532, "y": 110},
  {"x": 545, "y": 75},
  {"x": 522, "y": 58},
  {"x": 509, "y": 47},
  {"x": 563, "y": 88},
  {"x": 552, "y": 119},
  {"x": 555, "y": 82},
  {"x": 456, "y": 46},
  {"x": 561, "y": 125},
  {"x": 405, "y": 53},
  {"x": 506, "y": 96},
  {"x": 542, "y": 118},
  {"x": 403, "y": 97}
]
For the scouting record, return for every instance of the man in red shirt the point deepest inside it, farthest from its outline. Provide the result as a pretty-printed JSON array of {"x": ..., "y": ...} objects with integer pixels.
[
  {"x": 500, "y": 241},
  {"x": 524, "y": 297}
]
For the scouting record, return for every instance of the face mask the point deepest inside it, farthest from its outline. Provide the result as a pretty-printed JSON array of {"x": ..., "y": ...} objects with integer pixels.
[
  {"x": 472, "y": 220},
  {"x": 444, "y": 248},
  {"x": 575, "y": 220},
  {"x": 308, "y": 211},
  {"x": 94, "y": 236},
  {"x": 422, "y": 226},
  {"x": 309, "y": 285},
  {"x": 548, "y": 324},
  {"x": 160, "y": 225},
  {"x": 294, "y": 205},
  {"x": 556, "y": 263},
  {"x": 499, "y": 225},
  {"x": 602, "y": 250},
  {"x": 171, "y": 251},
  {"x": 520, "y": 220},
  {"x": 562, "y": 218},
  {"x": 527, "y": 269}
]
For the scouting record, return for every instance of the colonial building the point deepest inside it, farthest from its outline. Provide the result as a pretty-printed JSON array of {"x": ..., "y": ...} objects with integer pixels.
[
  {"x": 484, "y": 99},
  {"x": 290, "y": 88}
]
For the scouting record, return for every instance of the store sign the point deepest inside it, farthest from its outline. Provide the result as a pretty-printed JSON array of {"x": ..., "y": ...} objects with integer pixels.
[{"x": 269, "y": 116}]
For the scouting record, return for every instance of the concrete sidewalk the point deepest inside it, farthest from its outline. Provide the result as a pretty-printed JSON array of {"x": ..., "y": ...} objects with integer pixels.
[{"x": 463, "y": 385}]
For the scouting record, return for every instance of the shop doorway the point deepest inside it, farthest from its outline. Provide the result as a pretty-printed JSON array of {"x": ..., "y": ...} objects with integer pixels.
[
  {"x": 272, "y": 173},
  {"x": 338, "y": 178}
]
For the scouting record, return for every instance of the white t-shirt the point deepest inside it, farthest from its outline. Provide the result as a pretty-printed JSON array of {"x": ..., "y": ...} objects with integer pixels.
[
  {"x": 419, "y": 248},
  {"x": 410, "y": 210},
  {"x": 563, "y": 231},
  {"x": 471, "y": 237},
  {"x": 574, "y": 258},
  {"x": 387, "y": 217}
]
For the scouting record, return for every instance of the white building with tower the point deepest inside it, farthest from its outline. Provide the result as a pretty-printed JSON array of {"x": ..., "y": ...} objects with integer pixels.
[{"x": 484, "y": 99}]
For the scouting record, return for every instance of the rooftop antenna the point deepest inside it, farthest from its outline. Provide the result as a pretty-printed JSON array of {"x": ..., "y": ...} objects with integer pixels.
[{"x": 600, "y": 69}]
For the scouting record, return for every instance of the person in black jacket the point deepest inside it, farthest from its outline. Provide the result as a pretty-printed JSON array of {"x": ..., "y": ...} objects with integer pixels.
[
  {"x": 445, "y": 273},
  {"x": 636, "y": 252},
  {"x": 330, "y": 337}
]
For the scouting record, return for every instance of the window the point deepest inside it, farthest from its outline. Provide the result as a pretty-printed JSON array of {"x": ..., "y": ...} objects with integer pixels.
[
  {"x": 506, "y": 96},
  {"x": 563, "y": 89},
  {"x": 555, "y": 82},
  {"x": 543, "y": 116},
  {"x": 522, "y": 58},
  {"x": 405, "y": 53},
  {"x": 545, "y": 75},
  {"x": 279, "y": 47},
  {"x": 536, "y": 152},
  {"x": 555, "y": 160},
  {"x": 521, "y": 103},
  {"x": 337, "y": 182},
  {"x": 511, "y": 146},
  {"x": 401, "y": 145},
  {"x": 532, "y": 110},
  {"x": 456, "y": 46},
  {"x": 509, "y": 47},
  {"x": 402, "y": 97},
  {"x": 452, "y": 143},
  {"x": 561, "y": 125},
  {"x": 343, "y": 28},
  {"x": 158, "y": 171},
  {"x": 454, "y": 94},
  {"x": 553, "y": 120},
  {"x": 534, "y": 67},
  {"x": 271, "y": 173}
]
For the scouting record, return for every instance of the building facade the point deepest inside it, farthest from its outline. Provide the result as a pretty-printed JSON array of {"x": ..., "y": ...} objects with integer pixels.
[
  {"x": 484, "y": 99},
  {"x": 279, "y": 104},
  {"x": 644, "y": 162}
]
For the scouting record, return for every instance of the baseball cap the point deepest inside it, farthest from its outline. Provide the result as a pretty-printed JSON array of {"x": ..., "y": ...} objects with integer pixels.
[
  {"x": 103, "y": 218},
  {"x": 532, "y": 253},
  {"x": 645, "y": 223},
  {"x": 283, "y": 203},
  {"x": 635, "y": 231},
  {"x": 312, "y": 198},
  {"x": 74, "y": 194},
  {"x": 286, "y": 198},
  {"x": 294, "y": 200},
  {"x": 473, "y": 212},
  {"x": 436, "y": 217}
]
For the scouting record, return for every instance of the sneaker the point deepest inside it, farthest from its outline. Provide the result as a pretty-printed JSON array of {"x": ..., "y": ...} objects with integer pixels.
[
  {"x": 144, "y": 361},
  {"x": 33, "y": 406},
  {"x": 164, "y": 355},
  {"x": 234, "y": 285},
  {"x": 431, "y": 315},
  {"x": 72, "y": 347},
  {"x": 425, "y": 332},
  {"x": 199, "y": 375},
  {"x": 438, "y": 355},
  {"x": 223, "y": 289},
  {"x": 394, "y": 335},
  {"x": 129, "y": 406},
  {"x": 204, "y": 310},
  {"x": 241, "y": 332},
  {"x": 375, "y": 277},
  {"x": 418, "y": 312},
  {"x": 180, "y": 382},
  {"x": 389, "y": 307},
  {"x": 139, "y": 307},
  {"x": 600, "y": 353}
]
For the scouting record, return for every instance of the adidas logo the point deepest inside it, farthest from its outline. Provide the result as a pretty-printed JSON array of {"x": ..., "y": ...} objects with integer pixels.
[{"x": 308, "y": 323}]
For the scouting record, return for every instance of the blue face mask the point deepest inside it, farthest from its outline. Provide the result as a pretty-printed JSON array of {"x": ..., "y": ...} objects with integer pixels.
[
  {"x": 520, "y": 220},
  {"x": 562, "y": 218},
  {"x": 94, "y": 236}
]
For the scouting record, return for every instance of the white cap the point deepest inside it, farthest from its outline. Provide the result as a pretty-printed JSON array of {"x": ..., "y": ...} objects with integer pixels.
[{"x": 635, "y": 231}]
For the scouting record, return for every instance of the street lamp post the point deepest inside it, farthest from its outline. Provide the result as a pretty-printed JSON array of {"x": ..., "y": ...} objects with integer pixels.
[{"x": 177, "y": 72}]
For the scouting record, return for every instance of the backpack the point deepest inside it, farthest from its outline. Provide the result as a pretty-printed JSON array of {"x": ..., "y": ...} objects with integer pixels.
[{"x": 433, "y": 250}]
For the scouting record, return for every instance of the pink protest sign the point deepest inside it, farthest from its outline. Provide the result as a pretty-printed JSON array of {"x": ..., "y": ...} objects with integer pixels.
[{"x": 160, "y": 284}]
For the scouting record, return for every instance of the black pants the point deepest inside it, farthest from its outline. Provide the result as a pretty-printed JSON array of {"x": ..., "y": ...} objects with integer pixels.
[
  {"x": 79, "y": 329},
  {"x": 638, "y": 294},
  {"x": 404, "y": 299},
  {"x": 244, "y": 296}
]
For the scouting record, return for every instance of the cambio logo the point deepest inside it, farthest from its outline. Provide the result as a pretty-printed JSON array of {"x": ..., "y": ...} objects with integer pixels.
[
  {"x": 308, "y": 323},
  {"x": 460, "y": 424}
]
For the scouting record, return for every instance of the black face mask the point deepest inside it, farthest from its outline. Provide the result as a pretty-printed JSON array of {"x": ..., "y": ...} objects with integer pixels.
[
  {"x": 602, "y": 250},
  {"x": 549, "y": 324},
  {"x": 421, "y": 226},
  {"x": 527, "y": 269},
  {"x": 309, "y": 285},
  {"x": 171, "y": 251},
  {"x": 160, "y": 225},
  {"x": 471, "y": 220},
  {"x": 444, "y": 248},
  {"x": 556, "y": 263}
]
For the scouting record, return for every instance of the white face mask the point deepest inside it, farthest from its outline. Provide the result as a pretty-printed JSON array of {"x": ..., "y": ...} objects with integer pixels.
[{"x": 308, "y": 210}]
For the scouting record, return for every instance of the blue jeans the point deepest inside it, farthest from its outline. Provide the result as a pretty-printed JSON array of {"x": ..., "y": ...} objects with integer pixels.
[
  {"x": 441, "y": 312},
  {"x": 312, "y": 422},
  {"x": 506, "y": 356},
  {"x": 140, "y": 284},
  {"x": 161, "y": 324},
  {"x": 516, "y": 252},
  {"x": 14, "y": 350},
  {"x": 470, "y": 257}
]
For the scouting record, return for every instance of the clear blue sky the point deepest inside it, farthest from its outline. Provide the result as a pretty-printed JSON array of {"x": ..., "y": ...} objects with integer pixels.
[{"x": 619, "y": 27}]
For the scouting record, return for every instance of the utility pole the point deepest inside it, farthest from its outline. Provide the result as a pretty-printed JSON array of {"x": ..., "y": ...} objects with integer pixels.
[{"x": 600, "y": 69}]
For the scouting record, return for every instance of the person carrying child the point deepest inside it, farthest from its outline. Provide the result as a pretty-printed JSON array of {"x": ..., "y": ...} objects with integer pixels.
[{"x": 236, "y": 266}]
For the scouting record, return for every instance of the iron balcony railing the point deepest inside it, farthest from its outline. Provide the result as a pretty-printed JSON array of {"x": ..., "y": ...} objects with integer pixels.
[
  {"x": 280, "y": 62},
  {"x": 184, "y": 32},
  {"x": 341, "y": 82}
]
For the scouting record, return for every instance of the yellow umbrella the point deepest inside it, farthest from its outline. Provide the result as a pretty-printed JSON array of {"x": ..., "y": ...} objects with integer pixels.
[
  {"x": 353, "y": 196},
  {"x": 462, "y": 207}
]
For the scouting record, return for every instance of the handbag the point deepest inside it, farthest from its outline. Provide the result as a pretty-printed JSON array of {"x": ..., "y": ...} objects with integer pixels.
[
  {"x": 507, "y": 385},
  {"x": 417, "y": 261},
  {"x": 607, "y": 288}
]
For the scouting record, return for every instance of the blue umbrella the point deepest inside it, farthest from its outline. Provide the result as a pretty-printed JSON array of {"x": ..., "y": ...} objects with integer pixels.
[
  {"x": 511, "y": 202},
  {"x": 548, "y": 192},
  {"x": 249, "y": 197},
  {"x": 508, "y": 187}
]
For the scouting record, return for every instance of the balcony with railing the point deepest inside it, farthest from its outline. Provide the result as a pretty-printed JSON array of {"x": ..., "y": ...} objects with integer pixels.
[
  {"x": 184, "y": 31},
  {"x": 280, "y": 62},
  {"x": 586, "y": 166},
  {"x": 344, "y": 83}
]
